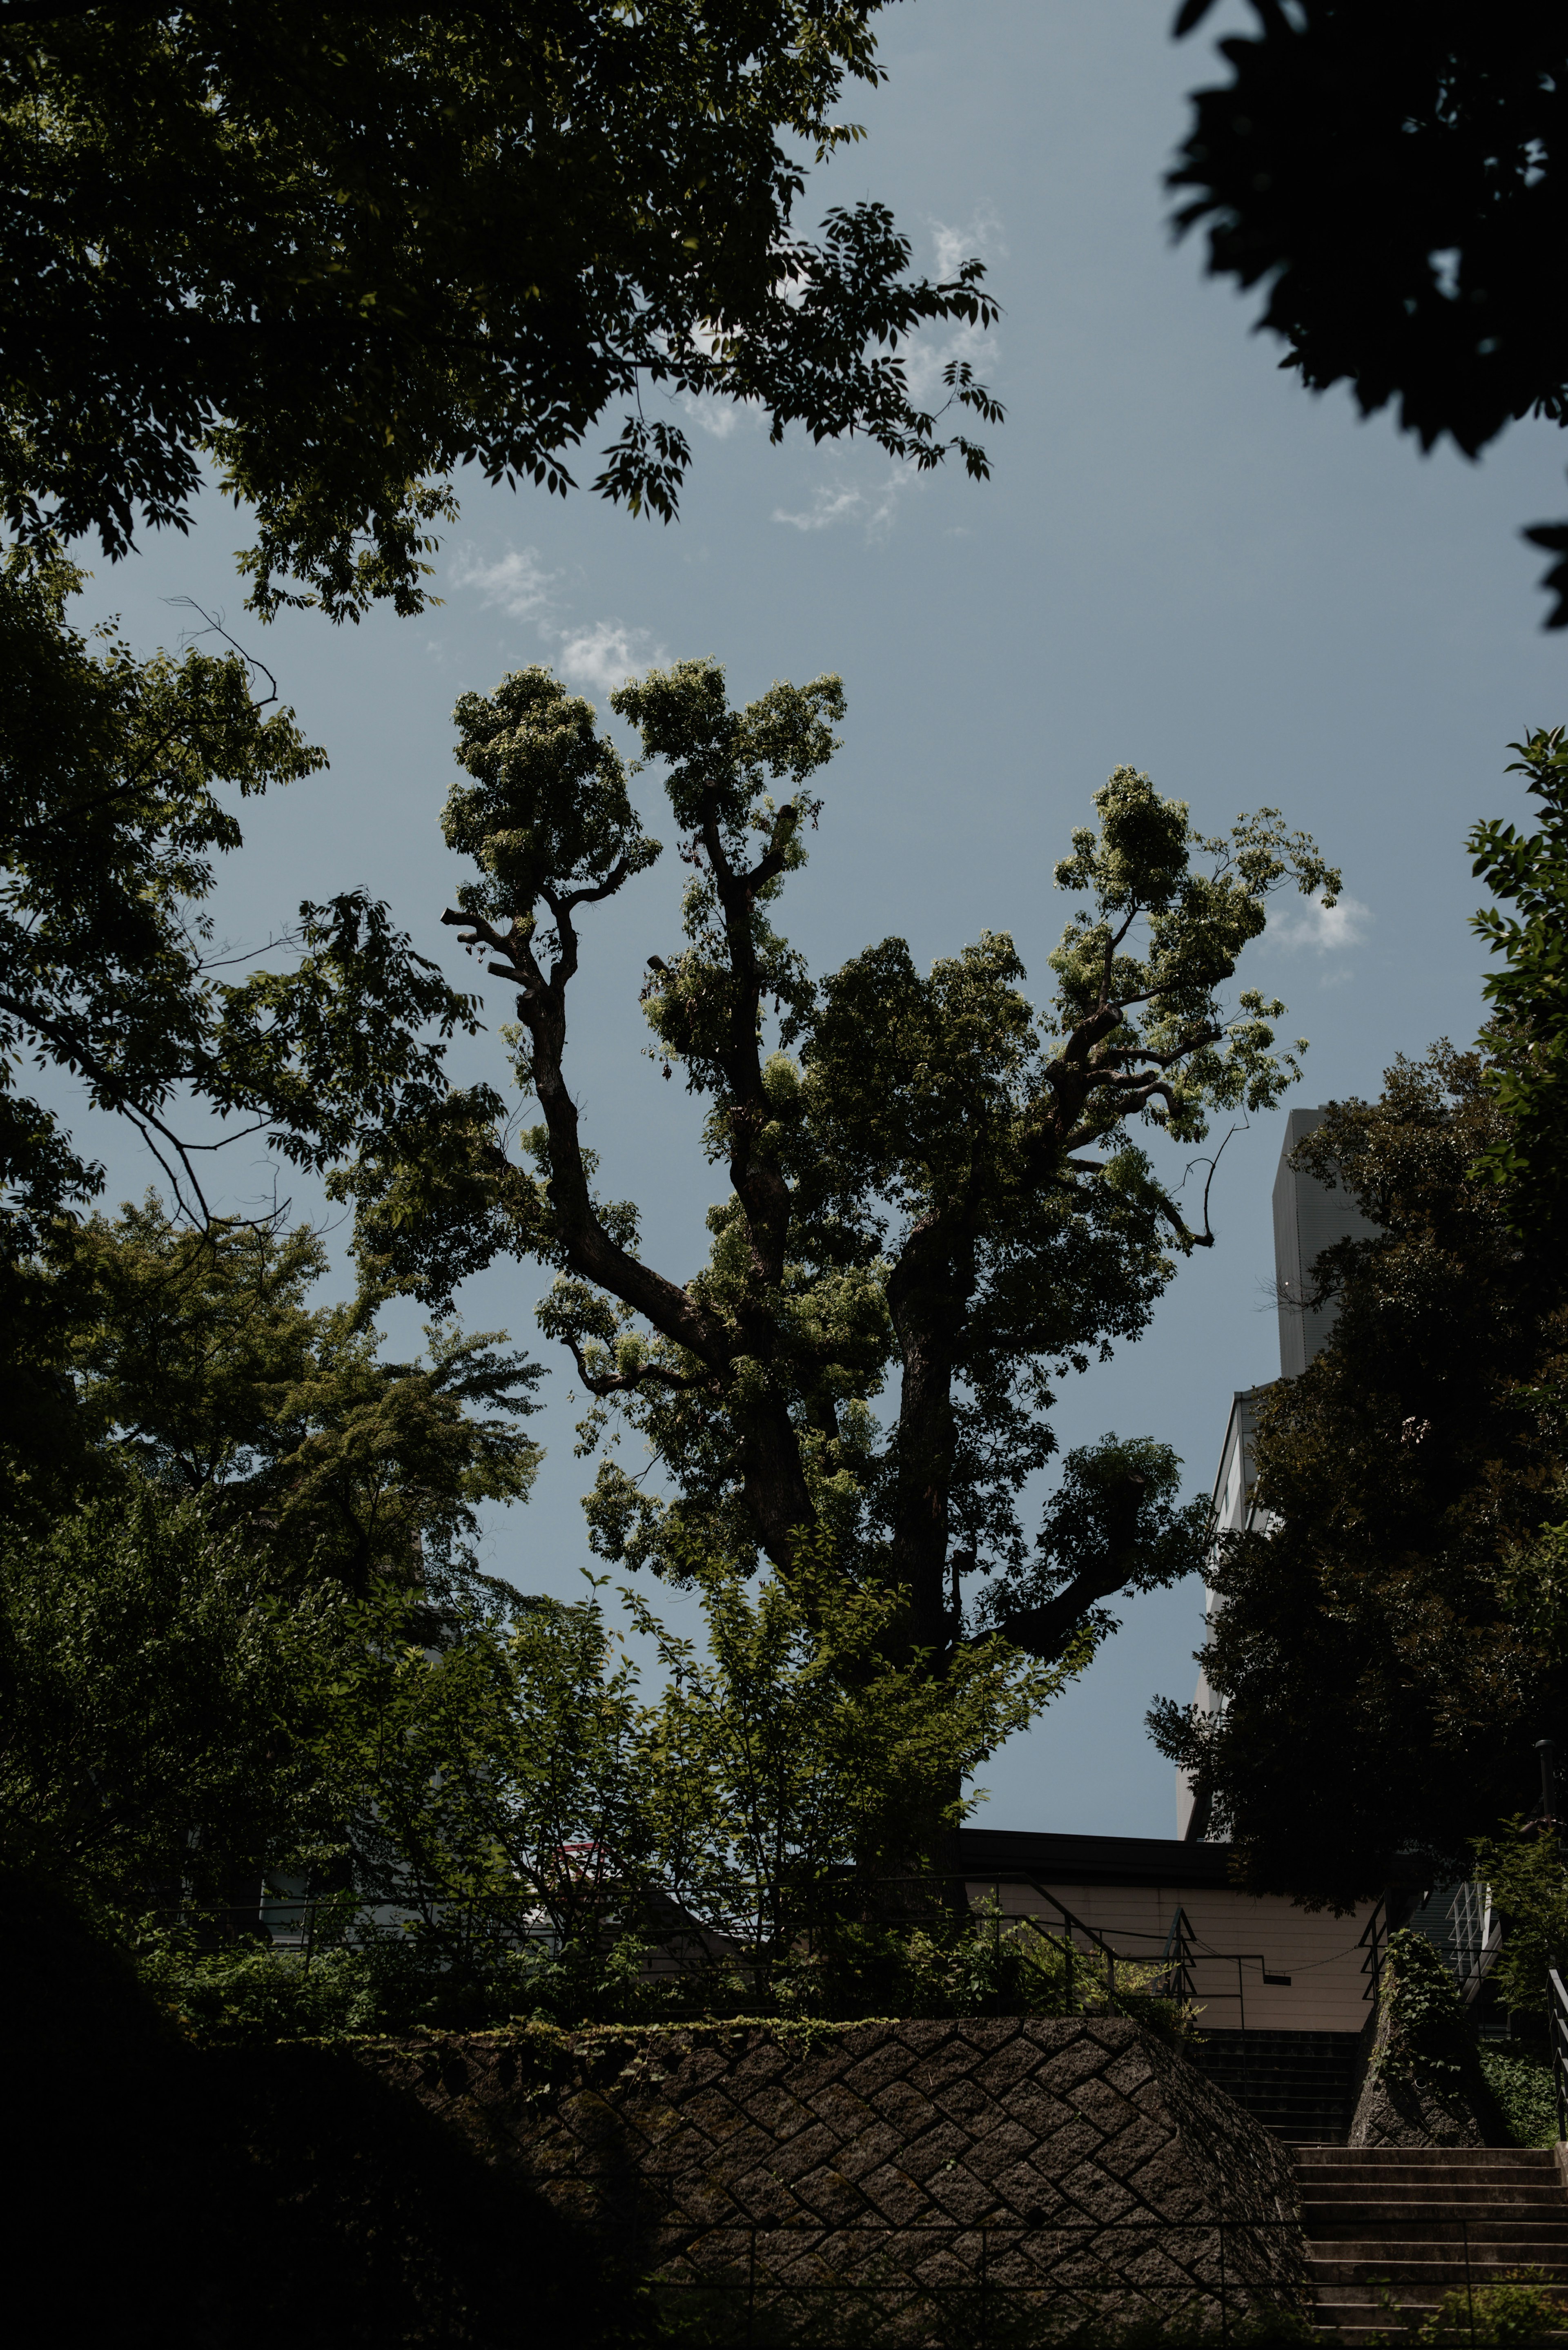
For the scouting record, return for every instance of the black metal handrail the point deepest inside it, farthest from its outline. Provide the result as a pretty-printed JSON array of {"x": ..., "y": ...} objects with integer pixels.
[
  {"x": 1557, "y": 2027},
  {"x": 1178, "y": 1954},
  {"x": 1374, "y": 1935},
  {"x": 991, "y": 2268},
  {"x": 1211, "y": 2272},
  {"x": 294, "y": 1919}
]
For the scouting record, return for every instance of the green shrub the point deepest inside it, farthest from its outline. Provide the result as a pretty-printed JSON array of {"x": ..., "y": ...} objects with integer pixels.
[
  {"x": 1522, "y": 2084},
  {"x": 1521, "y": 2309},
  {"x": 245, "y": 1994}
]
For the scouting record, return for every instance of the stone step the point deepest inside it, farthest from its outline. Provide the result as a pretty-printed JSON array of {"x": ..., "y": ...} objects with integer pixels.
[
  {"x": 1318, "y": 2178},
  {"x": 1297, "y": 2083},
  {"x": 1393, "y": 2229},
  {"x": 1451, "y": 2202},
  {"x": 1418, "y": 2262},
  {"x": 1363, "y": 2229},
  {"x": 1435, "y": 2157}
]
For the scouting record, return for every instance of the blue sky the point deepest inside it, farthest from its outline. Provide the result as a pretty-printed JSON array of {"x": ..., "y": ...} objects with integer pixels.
[{"x": 1182, "y": 562}]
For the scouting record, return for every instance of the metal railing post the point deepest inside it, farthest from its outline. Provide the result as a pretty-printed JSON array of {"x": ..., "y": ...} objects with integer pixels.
[
  {"x": 1557, "y": 2004},
  {"x": 1469, "y": 2296},
  {"x": 751, "y": 2288}
]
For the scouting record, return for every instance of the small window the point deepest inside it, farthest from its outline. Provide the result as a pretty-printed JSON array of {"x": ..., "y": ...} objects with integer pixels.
[{"x": 1284, "y": 1979}]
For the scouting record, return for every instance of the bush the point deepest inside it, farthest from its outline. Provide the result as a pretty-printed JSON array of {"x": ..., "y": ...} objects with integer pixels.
[
  {"x": 247, "y": 1996},
  {"x": 245, "y": 1993},
  {"x": 1521, "y": 2309},
  {"x": 1526, "y": 2100}
]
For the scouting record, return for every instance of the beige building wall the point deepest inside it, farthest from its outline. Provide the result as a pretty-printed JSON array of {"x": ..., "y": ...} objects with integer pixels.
[{"x": 1239, "y": 1940}]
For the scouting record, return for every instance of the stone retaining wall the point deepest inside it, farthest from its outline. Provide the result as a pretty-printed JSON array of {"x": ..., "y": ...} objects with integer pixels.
[{"x": 1028, "y": 2155}]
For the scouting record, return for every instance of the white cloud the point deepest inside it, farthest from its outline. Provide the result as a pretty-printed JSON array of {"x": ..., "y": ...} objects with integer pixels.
[
  {"x": 606, "y": 654},
  {"x": 1330, "y": 929},
  {"x": 829, "y": 505},
  {"x": 980, "y": 235},
  {"x": 720, "y": 418},
  {"x": 602, "y": 655},
  {"x": 519, "y": 583}
]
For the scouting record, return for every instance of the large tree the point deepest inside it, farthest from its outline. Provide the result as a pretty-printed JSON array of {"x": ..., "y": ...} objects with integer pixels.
[
  {"x": 1389, "y": 1650},
  {"x": 1395, "y": 177},
  {"x": 196, "y": 1361},
  {"x": 1527, "y": 1044},
  {"x": 931, "y": 1185},
  {"x": 334, "y": 254},
  {"x": 120, "y": 785}
]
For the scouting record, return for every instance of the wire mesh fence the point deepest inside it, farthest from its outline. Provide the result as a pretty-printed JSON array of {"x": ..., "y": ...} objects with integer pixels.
[{"x": 948, "y": 2286}]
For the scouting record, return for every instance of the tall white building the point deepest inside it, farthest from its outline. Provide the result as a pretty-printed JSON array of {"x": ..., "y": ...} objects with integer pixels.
[{"x": 1308, "y": 1218}]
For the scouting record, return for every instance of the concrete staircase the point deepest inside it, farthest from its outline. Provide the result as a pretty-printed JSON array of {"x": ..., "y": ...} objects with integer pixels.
[
  {"x": 1421, "y": 2221},
  {"x": 1300, "y": 2084}
]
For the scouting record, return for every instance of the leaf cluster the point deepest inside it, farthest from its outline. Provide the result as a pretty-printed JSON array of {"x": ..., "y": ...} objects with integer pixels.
[
  {"x": 1389, "y": 1649},
  {"x": 158, "y": 1707},
  {"x": 197, "y": 1361},
  {"x": 1523, "y": 1866},
  {"x": 1527, "y": 927},
  {"x": 115, "y": 773},
  {"x": 336, "y": 256},
  {"x": 1394, "y": 179},
  {"x": 521, "y": 1799}
]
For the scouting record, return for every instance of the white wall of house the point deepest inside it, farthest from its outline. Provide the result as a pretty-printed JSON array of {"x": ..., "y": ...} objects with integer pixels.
[{"x": 1318, "y": 1963}]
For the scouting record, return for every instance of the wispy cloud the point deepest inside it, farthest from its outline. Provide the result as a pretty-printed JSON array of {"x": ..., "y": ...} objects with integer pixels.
[
  {"x": 605, "y": 655},
  {"x": 834, "y": 503},
  {"x": 980, "y": 234},
  {"x": 875, "y": 510},
  {"x": 519, "y": 583},
  {"x": 720, "y": 418},
  {"x": 926, "y": 361},
  {"x": 602, "y": 655},
  {"x": 1328, "y": 929}
]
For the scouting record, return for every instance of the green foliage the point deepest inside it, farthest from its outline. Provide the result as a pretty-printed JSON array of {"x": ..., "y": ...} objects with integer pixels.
[
  {"x": 1525, "y": 1867},
  {"x": 113, "y": 808},
  {"x": 1118, "y": 1502},
  {"x": 910, "y": 1215},
  {"x": 335, "y": 258},
  {"x": 1389, "y": 1652},
  {"x": 158, "y": 1707},
  {"x": 395, "y": 1977},
  {"x": 196, "y": 1357},
  {"x": 1406, "y": 223},
  {"x": 1521, "y": 2309},
  {"x": 242, "y": 1994},
  {"x": 498, "y": 1792},
  {"x": 1521, "y": 2087},
  {"x": 807, "y": 1756},
  {"x": 1391, "y": 177},
  {"x": 1196, "y": 920},
  {"x": 1425, "y": 2037},
  {"x": 1527, "y": 872},
  {"x": 512, "y": 1788}
]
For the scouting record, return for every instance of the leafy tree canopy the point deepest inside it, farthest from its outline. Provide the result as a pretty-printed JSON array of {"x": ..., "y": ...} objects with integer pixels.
[
  {"x": 159, "y": 1714},
  {"x": 1527, "y": 873},
  {"x": 518, "y": 1779},
  {"x": 197, "y": 1361},
  {"x": 332, "y": 256},
  {"x": 1396, "y": 177},
  {"x": 935, "y": 1205},
  {"x": 115, "y": 783},
  {"x": 1388, "y": 1652},
  {"x": 1523, "y": 1866}
]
